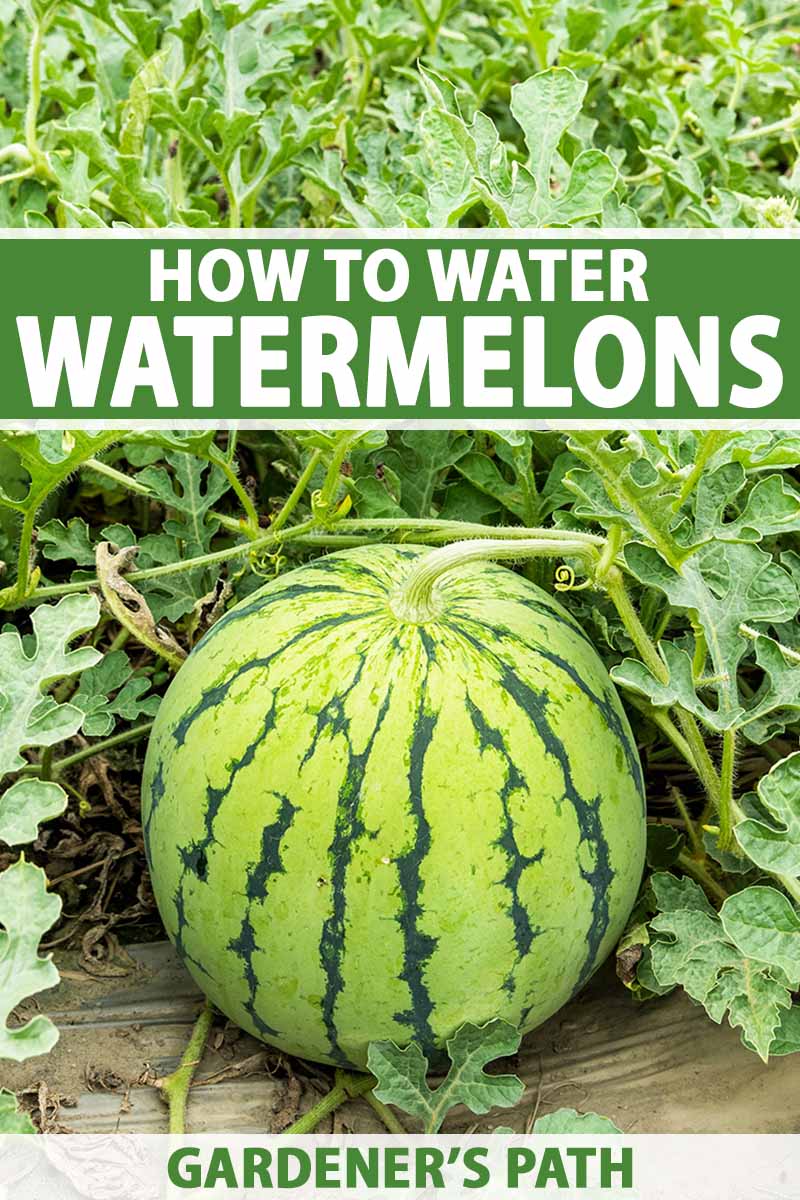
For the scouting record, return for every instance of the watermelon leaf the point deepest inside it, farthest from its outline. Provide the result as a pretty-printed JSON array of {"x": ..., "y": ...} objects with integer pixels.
[
  {"x": 679, "y": 689},
  {"x": 24, "y": 805},
  {"x": 632, "y": 485},
  {"x": 744, "y": 962},
  {"x": 419, "y": 461},
  {"x": 110, "y": 690},
  {"x": 777, "y": 701},
  {"x": 28, "y": 716},
  {"x": 764, "y": 925},
  {"x": 771, "y": 507},
  {"x": 787, "y": 1036},
  {"x": 545, "y": 105},
  {"x": 71, "y": 541},
  {"x": 27, "y": 911},
  {"x": 567, "y": 1120},
  {"x": 188, "y": 495},
  {"x": 402, "y": 1074},
  {"x": 48, "y": 458},
  {"x": 11, "y": 1119},
  {"x": 776, "y": 846},
  {"x": 641, "y": 485},
  {"x": 727, "y": 585}
]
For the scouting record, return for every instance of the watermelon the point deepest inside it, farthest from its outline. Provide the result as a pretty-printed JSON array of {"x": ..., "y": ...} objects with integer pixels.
[{"x": 366, "y": 823}]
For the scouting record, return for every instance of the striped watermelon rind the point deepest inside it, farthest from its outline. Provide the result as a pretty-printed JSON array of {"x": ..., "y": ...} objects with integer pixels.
[{"x": 361, "y": 827}]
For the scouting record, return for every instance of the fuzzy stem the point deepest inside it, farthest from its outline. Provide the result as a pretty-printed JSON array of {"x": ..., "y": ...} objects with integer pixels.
[
  {"x": 307, "y": 531},
  {"x": 186, "y": 564},
  {"x": 126, "y": 481},
  {"x": 296, "y": 494},
  {"x": 751, "y": 135},
  {"x": 712, "y": 441},
  {"x": 25, "y": 544},
  {"x": 615, "y": 586},
  {"x": 109, "y": 743},
  {"x": 16, "y": 150},
  {"x": 699, "y": 873},
  {"x": 709, "y": 776},
  {"x": 347, "y": 1087},
  {"x": 695, "y": 841},
  {"x": 386, "y": 1115},
  {"x": 662, "y": 720},
  {"x": 416, "y": 599},
  {"x": 234, "y": 212},
  {"x": 466, "y": 529},
  {"x": 34, "y": 90},
  {"x": 175, "y": 1087},
  {"x": 726, "y": 799},
  {"x": 40, "y": 28},
  {"x": 250, "y": 526},
  {"x": 333, "y": 476},
  {"x": 617, "y": 591},
  {"x": 738, "y": 87},
  {"x": 13, "y": 176}
]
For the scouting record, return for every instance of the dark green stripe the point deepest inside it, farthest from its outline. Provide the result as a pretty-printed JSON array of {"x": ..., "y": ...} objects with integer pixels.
[
  {"x": 293, "y": 591},
  {"x": 417, "y": 946},
  {"x": 182, "y": 926},
  {"x": 605, "y": 704},
  {"x": 195, "y": 855},
  {"x": 345, "y": 569},
  {"x": 214, "y": 695},
  {"x": 348, "y": 568},
  {"x": 332, "y": 717},
  {"x": 534, "y": 705},
  {"x": 348, "y": 828},
  {"x": 157, "y": 792},
  {"x": 258, "y": 879},
  {"x": 524, "y": 931},
  {"x": 525, "y": 598}
]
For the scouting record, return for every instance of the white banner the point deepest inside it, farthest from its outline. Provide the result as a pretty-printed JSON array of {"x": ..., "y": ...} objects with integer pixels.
[{"x": 128, "y": 1167}]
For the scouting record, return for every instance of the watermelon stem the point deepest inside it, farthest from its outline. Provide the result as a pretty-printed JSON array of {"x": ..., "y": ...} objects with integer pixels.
[
  {"x": 175, "y": 1087},
  {"x": 307, "y": 532},
  {"x": 325, "y": 505},
  {"x": 417, "y": 600},
  {"x": 726, "y": 803},
  {"x": 662, "y": 720},
  {"x": 695, "y": 870},
  {"x": 386, "y": 1115},
  {"x": 695, "y": 840},
  {"x": 614, "y": 584},
  {"x": 296, "y": 495},
  {"x": 347, "y": 1086},
  {"x": 718, "y": 785},
  {"x": 134, "y": 734}
]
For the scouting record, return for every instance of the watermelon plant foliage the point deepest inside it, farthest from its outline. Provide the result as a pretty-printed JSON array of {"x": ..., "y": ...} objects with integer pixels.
[
  {"x": 692, "y": 600},
  {"x": 398, "y": 113},
  {"x": 402, "y": 1075}
]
